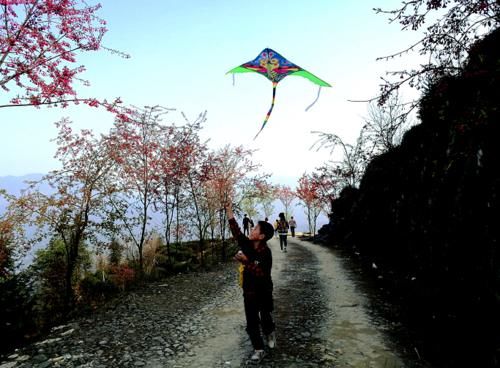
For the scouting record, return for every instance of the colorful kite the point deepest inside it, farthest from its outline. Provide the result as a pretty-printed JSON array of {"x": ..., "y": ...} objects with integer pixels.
[{"x": 275, "y": 67}]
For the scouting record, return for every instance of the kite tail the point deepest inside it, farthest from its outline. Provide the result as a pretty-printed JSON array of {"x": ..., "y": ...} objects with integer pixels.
[
  {"x": 316, "y": 100},
  {"x": 270, "y": 110}
]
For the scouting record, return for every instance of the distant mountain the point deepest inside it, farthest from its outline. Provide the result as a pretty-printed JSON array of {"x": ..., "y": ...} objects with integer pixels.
[{"x": 14, "y": 185}]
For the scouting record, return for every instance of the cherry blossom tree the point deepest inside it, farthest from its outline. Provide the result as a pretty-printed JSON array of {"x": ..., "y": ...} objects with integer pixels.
[
  {"x": 136, "y": 152},
  {"x": 180, "y": 152},
  {"x": 249, "y": 206},
  {"x": 265, "y": 197},
  {"x": 230, "y": 173},
  {"x": 327, "y": 187},
  {"x": 197, "y": 166},
  {"x": 253, "y": 191},
  {"x": 39, "y": 43},
  {"x": 211, "y": 195},
  {"x": 170, "y": 169},
  {"x": 286, "y": 196},
  {"x": 75, "y": 209},
  {"x": 308, "y": 192}
]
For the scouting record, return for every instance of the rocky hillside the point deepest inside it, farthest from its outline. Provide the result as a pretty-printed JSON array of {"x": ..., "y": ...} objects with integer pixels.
[{"x": 425, "y": 218}]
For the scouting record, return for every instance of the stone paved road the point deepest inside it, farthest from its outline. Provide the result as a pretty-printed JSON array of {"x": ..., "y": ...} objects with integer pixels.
[{"x": 197, "y": 320}]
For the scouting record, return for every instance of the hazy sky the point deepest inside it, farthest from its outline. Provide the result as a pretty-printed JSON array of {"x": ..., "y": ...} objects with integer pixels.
[{"x": 181, "y": 51}]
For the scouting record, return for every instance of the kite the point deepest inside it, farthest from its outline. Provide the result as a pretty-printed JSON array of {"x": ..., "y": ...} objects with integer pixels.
[{"x": 275, "y": 67}]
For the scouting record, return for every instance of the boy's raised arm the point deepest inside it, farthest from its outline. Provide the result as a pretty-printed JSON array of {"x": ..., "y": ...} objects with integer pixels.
[
  {"x": 241, "y": 239},
  {"x": 233, "y": 225}
]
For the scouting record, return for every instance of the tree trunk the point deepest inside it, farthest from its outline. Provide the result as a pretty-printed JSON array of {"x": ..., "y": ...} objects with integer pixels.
[
  {"x": 141, "y": 270},
  {"x": 68, "y": 294},
  {"x": 223, "y": 235},
  {"x": 71, "y": 258},
  {"x": 202, "y": 257},
  {"x": 143, "y": 233},
  {"x": 167, "y": 240},
  {"x": 168, "y": 221}
]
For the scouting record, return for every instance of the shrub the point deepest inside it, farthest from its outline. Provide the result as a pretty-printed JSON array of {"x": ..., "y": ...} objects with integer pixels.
[
  {"x": 94, "y": 289},
  {"x": 122, "y": 276},
  {"x": 49, "y": 269},
  {"x": 16, "y": 304}
]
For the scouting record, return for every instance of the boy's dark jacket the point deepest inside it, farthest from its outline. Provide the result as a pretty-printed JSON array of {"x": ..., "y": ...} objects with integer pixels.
[{"x": 257, "y": 273}]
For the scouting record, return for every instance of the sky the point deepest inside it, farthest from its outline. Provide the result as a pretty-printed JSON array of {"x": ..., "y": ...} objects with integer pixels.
[{"x": 180, "y": 53}]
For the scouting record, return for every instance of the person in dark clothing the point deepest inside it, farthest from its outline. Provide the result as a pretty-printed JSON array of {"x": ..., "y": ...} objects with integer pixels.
[
  {"x": 256, "y": 257},
  {"x": 282, "y": 231},
  {"x": 276, "y": 223},
  {"x": 246, "y": 225}
]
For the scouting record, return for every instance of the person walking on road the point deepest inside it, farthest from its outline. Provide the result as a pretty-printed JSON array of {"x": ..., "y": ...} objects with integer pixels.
[
  {"x": 293, "y": 225},
  {"x": 256, "y": 257},
  {"x": 282, "y": 231},
  {"x": 276, "y": 223},
  {"x": 246, "y": 225}
]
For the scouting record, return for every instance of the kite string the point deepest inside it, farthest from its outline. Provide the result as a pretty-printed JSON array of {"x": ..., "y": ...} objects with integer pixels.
[
  {"x": 233, "y": 79},
  {"x": 316, "y": 100},
  {"x": 270, "y": 109}
]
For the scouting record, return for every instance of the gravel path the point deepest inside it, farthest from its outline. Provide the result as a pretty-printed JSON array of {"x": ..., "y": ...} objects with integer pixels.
[{"x": 197, "y": 320}]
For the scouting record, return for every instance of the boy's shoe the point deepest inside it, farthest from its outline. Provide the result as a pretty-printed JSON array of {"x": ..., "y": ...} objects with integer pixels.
[
  {"x": 285, "y": 250},
  {"x": 257, "y": 355},
  {"x": 271, "y": 340}
]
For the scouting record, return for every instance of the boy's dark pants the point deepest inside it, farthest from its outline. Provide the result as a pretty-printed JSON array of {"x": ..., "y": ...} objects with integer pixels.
[{"x": 258, "y": 308}]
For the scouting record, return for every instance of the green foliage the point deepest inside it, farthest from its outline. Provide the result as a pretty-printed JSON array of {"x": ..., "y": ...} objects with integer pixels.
[
  {"x": 186, "y": 257},
  {"x": 16, "y": 304},
  {"x": 6, "y": 261},
  {"x": 115, "y": 252},
  {"x": 49, "y": 267},
  {"x": 7, "y": 255},
  {"x": 122, "y": 276},
  {"x": 249, "y": 206},
  {"x": 94, "y": 289},
  {"x": 16, "y": 294}
]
